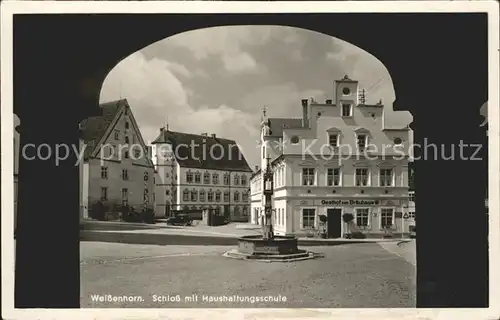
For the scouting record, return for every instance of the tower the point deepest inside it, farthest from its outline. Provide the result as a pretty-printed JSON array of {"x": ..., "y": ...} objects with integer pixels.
[{"x": 345, "y": 91}]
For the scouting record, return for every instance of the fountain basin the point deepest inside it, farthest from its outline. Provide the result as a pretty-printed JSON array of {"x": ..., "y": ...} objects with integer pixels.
[{"x": 280, "y": 248}]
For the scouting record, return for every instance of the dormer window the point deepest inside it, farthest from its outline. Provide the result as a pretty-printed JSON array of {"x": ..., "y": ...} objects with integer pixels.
[
  {"x": 361, "y": 141},
  {"x": 346, "y": 110},
  {"x": 333, "y": 139}
]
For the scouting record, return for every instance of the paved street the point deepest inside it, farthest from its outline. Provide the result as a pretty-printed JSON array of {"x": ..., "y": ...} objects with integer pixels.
[{"x": 354, "y": 275}]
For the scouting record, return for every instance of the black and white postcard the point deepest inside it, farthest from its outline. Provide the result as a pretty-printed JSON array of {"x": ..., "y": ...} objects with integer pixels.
[{"x": 230, "y": 159}]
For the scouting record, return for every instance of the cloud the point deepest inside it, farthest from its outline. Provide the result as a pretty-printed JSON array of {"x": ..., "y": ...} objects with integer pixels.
[{"x": 226, "y": 43}]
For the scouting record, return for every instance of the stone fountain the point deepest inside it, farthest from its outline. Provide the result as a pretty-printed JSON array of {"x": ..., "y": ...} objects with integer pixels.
[{"x": 268, "y": 247}]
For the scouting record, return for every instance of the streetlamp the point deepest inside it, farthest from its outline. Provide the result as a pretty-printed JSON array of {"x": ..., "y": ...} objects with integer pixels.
[{"x": 268, "y": 192}]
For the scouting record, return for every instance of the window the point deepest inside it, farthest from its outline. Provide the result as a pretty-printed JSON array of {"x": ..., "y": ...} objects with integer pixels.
[
  {"x": 346, "y": 110},
  {"x": 294, "y": 140},
  {"x": 386, "y": 177},
  {"x": 333, "y": 177},
  {"x": 243, "y": 180},
  {"x": 308, "y": 216},
  {"x": 202, "y": 196},
  {"x": 197, "y": 177},
  {"x": 167, "y": 192},
  {"x": 411, "y": 215},
  {"x": 236, "y": 196},
  {"x": 386, "y": 217},
  {"x": 361, "y": 177},
  {"x": 127, "y": 125},
  {"x": 210, "y": 196},
  {"x": 362, "y": 217},
  {"x": 398, "y": 141},
  {"x": 333, "y": 140},
  {"x": 104, "y": 194},
  {"x": 194, "y": 195},
  {"x": 236, "y": 210},
  {"x": 307, "y": 176},
  {"x": 117, "y": 135},
  {"x": 124, "y": 197},
  {"x": 146, "y": 196},
  {"x": 412, "y": 196},
  {"x": 206, "y": 178},
  {"x": 217, "y": 196},
  {"x": 236, "y": 180},
  {"x": 346, "y": 91},
  {"x": 226, "y": 179},
  {"x": 137, "y": 153},
  {"x": 185, "y": 195},
  {"x": 361, "y": 141},
  {"x": 245, "y": 211},
  {"x": 104, "y": 172},
  {"x": 226, "y": 196},
  {"x": 125, "y": 174},
  {"x": 146, "y": 176},
  {"x": 263, "y": 152},
  {"x": 127, "y": 141},
  {"x": 215, "y": 178},
  {"x": 245, "y": 196},
  {"x": 189, "y": 177}
]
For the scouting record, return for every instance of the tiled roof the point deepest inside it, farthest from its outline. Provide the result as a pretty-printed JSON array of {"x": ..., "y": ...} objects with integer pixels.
[
  {"x": 278, "y": 124},
  {"x": 92, "y": 129},
  {"x": 231, "y": 157}
]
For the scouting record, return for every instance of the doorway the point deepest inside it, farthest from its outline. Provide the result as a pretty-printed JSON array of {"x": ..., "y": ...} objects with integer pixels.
[{"x": 334, "y": 225}]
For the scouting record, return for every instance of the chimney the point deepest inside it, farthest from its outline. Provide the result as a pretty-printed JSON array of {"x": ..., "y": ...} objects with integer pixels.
[
  {"x": 162, "y": 129},
  {"x": 204, "y": 134},
  {"x": 305, "y": 116},
  {"x": 329, "y": 101},
  {"x": 213, "y": 135}
]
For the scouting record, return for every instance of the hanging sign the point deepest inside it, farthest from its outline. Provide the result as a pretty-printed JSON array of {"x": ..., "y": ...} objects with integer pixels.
[{"x": 406, "y": 216}]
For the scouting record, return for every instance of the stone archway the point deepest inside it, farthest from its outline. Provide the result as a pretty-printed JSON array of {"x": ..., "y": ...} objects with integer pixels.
[{"x": 60, "y": 85}]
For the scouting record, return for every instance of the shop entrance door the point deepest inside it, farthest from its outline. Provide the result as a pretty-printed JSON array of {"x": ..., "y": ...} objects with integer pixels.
[{"x": 334, "y": 225}]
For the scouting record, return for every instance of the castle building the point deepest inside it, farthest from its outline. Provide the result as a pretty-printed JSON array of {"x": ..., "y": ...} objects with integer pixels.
[
  {"x": 339, "y": 158},
  {"x": 116, "y": 169},
  {"x": 201, "y": 172}
]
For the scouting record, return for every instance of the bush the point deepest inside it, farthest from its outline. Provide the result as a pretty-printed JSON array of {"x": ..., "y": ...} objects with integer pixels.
[
  {"x": 148, "y": 215},
  {"x": 323, "y": 218},
  {"x": 347, "y": 217},
  {"x": 98, "y": 211},
  {"x": 130, "y": 215}
]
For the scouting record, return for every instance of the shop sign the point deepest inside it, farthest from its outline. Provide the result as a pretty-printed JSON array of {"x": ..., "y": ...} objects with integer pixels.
[
  {"x": 349, "y": 202},
  {"x": 406, "y": 216}
]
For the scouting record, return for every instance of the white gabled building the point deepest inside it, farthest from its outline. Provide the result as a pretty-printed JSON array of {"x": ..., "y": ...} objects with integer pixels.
[
  {"x": 190, "y": 178},
  {"x": 332, "y": 161},
  {"x": 117, "y": 170}
]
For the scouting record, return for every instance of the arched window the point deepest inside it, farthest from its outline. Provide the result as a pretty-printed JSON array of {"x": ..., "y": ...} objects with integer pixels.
[
  {"x": 206, "y": 178},
  {"x": 236, "y": 196},
  {"x": 127, "y": 140},
  {"x": 202, "y": 196},
  {"x": 243, "y": 180},
  {"x": 194, "y": 195},
  {"x": 236, "y": 180}
]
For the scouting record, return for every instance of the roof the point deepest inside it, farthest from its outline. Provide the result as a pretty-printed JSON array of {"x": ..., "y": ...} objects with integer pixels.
[
  {"x": 278, "y": 124},
  {"x": 92, "y": 129},
  {"x": 227, "y": 156}
]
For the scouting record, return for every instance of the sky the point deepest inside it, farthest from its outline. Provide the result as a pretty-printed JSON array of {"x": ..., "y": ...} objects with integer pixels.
[{"x": 217, "y": 80}]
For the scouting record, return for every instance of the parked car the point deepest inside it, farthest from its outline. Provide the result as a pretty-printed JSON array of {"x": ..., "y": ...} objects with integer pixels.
[{"x": 180, "y": 220}]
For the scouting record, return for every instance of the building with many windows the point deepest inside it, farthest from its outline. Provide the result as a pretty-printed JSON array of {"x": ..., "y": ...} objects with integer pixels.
[
  {"x": 338, "y": 159},
  {"x": 117, "y": 169},
  {"x": 201, "y": 171}
]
